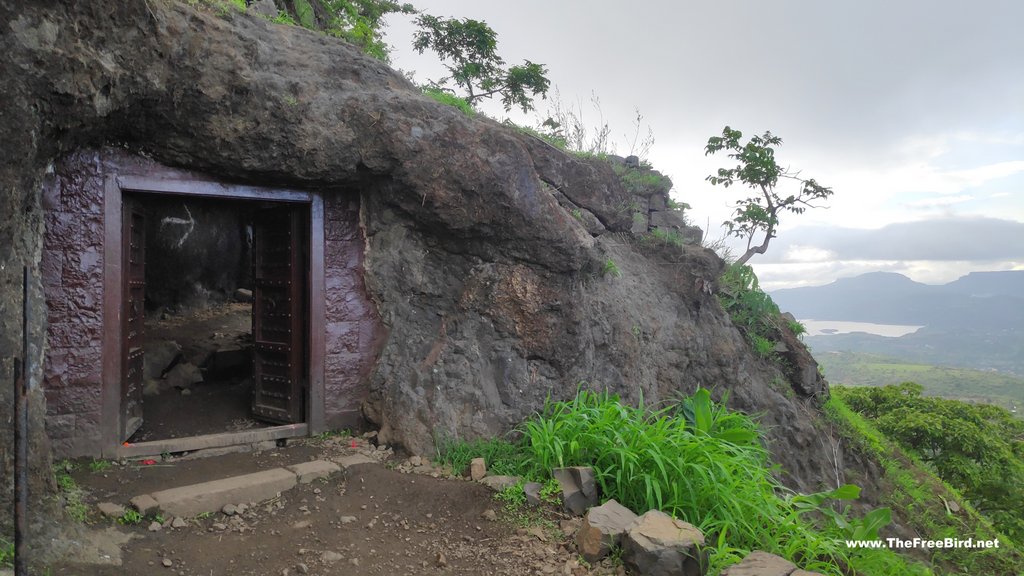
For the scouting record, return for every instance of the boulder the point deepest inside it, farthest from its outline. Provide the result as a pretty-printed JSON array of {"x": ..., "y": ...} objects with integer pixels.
[
  {"x": 229, "y": 361},
  {"x": 243, "y": 295},
  {"x": 499, "y": 483},
  {"x": 159, "y": 357},
  {"x": 477, "y": 469},
  {"x": 759, "y": 563},
  {"x": 579, "y": 491},
  {"x": 656, "y": 544},
  {"x": 182, "y": 376},
  {"x": 532, "y": 491},
  {"x": 602, "y": 530}
]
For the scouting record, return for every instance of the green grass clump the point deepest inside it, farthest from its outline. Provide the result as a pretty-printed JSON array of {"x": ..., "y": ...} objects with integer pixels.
[
  {"x": 450, "y": 99},
  {"x": 703, "y": 464},
  {"x": 502, "y": 457},
  {"x": 6, "y": 553},
  {"x": 611, "y": 269},
  {"x": 697, "y": 461},
  {"x": 672, "y": 237},
  {"x": 642, "y": 182},
  {"x": 70, "y": 493}
]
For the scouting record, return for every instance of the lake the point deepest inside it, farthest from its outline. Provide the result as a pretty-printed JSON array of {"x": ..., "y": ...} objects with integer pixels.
[{"x": 828, "y": 327}]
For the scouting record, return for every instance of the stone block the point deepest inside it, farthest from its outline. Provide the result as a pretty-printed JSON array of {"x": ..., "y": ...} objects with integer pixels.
[
  {"x": 602, "y": 530},
  {"x": 759, "y": 563},
  {"x": 353, "y": 460},
  {"x": 574, "y": 499},
  {"x": 477, "y": 468},
  {"x": 584, "y": 478},
  {"x": 145, "y": 504},
  {"x": 668, "y": 219},
  {"x": 212, "y": 496},
  {"x": 306, "y": 472},
  {"x": 243, "y": 295},
  {"x": 532, "y": 492},
  {"x": 499, "y": 483},
  {"x": 110, "y": 510},
  {"x": 656, "y": 544}
]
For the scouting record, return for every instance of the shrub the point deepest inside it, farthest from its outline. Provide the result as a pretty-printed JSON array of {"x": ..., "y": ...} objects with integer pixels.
[{"x": 450, "y": 99}]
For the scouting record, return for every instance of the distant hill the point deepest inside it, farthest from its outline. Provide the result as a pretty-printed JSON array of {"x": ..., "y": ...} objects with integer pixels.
[
  {"x": 861, "y": 369},
  {"x": 978, "y": 301}
]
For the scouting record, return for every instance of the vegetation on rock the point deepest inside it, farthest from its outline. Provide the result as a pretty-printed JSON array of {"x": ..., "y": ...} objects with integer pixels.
[{"x": 751, "y": 309}]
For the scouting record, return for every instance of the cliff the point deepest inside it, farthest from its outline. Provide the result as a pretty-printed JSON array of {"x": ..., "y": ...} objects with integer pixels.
[{"x": 484, "y": 247}]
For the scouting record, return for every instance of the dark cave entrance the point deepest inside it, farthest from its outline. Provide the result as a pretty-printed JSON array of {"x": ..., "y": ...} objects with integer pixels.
[{"x": 223, "y": 345}]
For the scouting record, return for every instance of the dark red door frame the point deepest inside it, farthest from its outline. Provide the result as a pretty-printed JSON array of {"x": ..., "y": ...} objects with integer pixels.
[{"x": 174, "y": 184}]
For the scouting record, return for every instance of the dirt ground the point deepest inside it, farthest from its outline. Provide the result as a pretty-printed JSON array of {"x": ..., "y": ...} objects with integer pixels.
[
  {"x": 222, "y": 403},
  {"x": 373, "y": 519}
]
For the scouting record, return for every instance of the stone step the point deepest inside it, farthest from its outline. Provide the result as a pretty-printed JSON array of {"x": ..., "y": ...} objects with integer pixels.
[{"x": 194, "y": 499}]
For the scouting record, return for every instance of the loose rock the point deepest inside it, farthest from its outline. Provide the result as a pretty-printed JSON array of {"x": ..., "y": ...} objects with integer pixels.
[{"x": 655, "y": 544}]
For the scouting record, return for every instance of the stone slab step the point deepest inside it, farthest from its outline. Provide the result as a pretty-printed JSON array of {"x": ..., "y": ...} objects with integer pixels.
[{"x": 194, "y": 499}]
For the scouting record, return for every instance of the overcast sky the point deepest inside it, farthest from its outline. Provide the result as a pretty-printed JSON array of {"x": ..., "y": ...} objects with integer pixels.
[{"x": 913, "y": 112}]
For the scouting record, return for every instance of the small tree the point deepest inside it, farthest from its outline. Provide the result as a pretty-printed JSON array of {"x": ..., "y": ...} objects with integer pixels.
[
  {"x": 757, "y": 168},
  {"x": 469, "y": 49}
]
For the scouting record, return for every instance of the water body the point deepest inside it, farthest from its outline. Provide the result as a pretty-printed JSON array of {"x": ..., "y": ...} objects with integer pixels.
[{"x": 828, "y": 327}]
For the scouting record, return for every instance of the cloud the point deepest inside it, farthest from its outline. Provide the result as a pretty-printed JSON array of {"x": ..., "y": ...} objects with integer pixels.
[{"x": 937, "y": 240}]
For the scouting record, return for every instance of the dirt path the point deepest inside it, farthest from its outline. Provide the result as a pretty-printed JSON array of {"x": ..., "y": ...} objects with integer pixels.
[{"x": 373, "y": 519}]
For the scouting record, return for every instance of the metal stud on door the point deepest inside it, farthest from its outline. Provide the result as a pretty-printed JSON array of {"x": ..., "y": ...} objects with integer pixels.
[{"x": 132, "y": 315}]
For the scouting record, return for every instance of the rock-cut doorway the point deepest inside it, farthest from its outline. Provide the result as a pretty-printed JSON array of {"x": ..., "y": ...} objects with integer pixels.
[
  {"x": 213, "y": 303},
  {"x": 215, "y": 315}
]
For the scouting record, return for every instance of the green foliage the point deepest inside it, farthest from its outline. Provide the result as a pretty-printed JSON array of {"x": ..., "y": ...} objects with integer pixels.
[
  {"x": 70, "y": 494},
  {"x": 704, "y": 464},
  {"x": 97, "y": 466},
  {"x": 673, "y": 205},
  {"x": 284, "y": 18},
  {"x": 6, "y": 553},
  {"x": 672, "y": 237},
  {"x": 796, "y": 328},
  {"x": 512, "y": 496},
  {"x": 130, "y": 517},
  {"x": 758, "y": 170},
  {"x": 642, "y": 182},
  {"x": 611, "y": 269},
  {"x": 469, "y": 50},
  {"x": 551, "y": 492},
  {"x": 751, "y": 309},
  {"x": 304, "y": 13},
  {"x": 361, "y": 22},
  {"x": 977, "y": 448},
  {"x": 445, "y": 97},
  {"x": 763, "y": 347},
  {"x": 921, "y": 499},
  {"x": 502, "y": 457}
]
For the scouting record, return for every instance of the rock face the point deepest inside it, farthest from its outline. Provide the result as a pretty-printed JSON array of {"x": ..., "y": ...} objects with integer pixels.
[{"x": 484, "y": 246}]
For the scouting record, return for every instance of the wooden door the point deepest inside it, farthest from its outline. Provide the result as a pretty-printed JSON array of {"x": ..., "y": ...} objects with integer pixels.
[
  {"x": 132, "y": 315},
  {"x": 278, "y": 316}
]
